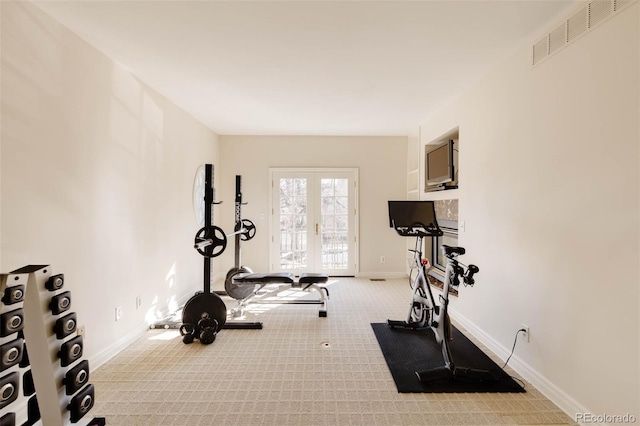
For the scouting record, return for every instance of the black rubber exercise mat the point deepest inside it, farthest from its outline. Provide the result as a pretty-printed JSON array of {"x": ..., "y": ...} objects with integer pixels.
[{"x": 408, "y": 351}]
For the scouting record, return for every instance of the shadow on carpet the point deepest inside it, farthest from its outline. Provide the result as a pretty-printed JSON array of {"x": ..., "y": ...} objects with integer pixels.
[{"x": 408, "y": 351}]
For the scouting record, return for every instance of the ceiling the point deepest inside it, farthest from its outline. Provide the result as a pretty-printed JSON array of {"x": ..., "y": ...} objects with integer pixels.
[{"x": 305, "y": 67}]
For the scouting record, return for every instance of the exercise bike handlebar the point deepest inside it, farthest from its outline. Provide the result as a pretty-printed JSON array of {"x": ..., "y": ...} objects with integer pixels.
[
  {"x": 471, "y": 271},
  {"x": 418, "y": 229},
  {"x": 418, "y": 232}
]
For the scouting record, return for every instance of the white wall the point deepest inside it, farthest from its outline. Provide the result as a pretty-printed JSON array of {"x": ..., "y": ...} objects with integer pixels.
[
  {"x": 97, "y": 173},
  {"x": 382, "y": 173},
  {"x": 549, "y": 192}
]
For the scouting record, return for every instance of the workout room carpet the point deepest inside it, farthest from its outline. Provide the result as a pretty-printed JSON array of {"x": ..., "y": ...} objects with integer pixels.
[
  {"x": 299, "y": 370},
  {"x": 408, "y": 351}
]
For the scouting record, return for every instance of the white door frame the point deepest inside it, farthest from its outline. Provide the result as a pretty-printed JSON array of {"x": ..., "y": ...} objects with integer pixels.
[{"x": 273, "y": 252}]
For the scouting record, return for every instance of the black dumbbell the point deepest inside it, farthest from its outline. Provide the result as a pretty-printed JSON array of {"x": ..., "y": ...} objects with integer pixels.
[
  {"x": 55, "y": 282},
  {"x": 11, "y": 322},
  {"x": 9, "y": 386},
  {"x": 60, "y": 303},
  {"x": 11, "y": 353},
  {"x": 76, "y": 377},
  {"x": 65, "y": 325},
  {"x": 13, "y": 295},
  {"x": 81, "y": 403},
  {"x": 70, "y": 351}
]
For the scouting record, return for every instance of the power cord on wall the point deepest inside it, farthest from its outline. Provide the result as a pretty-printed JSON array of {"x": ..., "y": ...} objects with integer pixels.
[
  {"x": 515, "y": 341},
  {"x": 514, "y": 346}
]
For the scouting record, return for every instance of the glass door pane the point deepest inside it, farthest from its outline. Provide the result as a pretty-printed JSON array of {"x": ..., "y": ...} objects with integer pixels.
[
  {"x": 294, "y": 221},
  {"x": 334, "y": 212}
]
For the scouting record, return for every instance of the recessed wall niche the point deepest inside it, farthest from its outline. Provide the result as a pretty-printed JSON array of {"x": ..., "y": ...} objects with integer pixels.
[{"x": 441, "y": 163}]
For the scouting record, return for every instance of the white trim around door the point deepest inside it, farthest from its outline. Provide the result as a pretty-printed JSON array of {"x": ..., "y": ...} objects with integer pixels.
[{"x": 314, "y": 220}]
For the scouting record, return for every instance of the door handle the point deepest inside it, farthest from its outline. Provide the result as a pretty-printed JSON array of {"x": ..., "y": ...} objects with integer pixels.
[{"x": 317, "y": 227}]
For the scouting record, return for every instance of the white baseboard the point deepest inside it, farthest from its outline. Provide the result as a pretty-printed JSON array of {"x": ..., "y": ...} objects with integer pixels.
[
  {"x": 136, "y": 332},
  {"x": 112, "y": 350},
  {"x": 556, "y": 395},
  {"x": 389, "y": 275}
]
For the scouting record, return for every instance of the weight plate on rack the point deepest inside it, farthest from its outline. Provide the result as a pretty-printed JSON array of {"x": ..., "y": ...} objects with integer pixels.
[
  {"x": 250, "y": 229},
  {"x": 218, "y": 238}
]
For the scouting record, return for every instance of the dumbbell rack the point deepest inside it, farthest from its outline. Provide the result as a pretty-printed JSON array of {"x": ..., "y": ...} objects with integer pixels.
[{"x": 50, "y": 378}]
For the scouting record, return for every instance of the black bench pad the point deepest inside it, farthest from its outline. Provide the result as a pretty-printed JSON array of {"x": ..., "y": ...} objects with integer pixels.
[
  {"x": 313, "y": 278},
  {"x": 278, "y": 277},
  {"x": 281, "y": 278}
]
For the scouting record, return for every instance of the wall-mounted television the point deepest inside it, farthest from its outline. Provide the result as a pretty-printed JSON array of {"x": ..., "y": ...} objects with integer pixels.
[{"x": 440, "y": 169}]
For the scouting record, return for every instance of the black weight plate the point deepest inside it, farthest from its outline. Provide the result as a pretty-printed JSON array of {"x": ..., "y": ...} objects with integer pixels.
[
  {"x": 250, "y": 230},
  {"x": 236, "y": 291},
  {"x": 204, "y": 305},
  {"x": 217, "y": 235}
]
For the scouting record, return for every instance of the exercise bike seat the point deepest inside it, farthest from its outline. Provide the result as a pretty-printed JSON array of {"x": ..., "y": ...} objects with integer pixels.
[
  {"x": 276, "y": 277},
  {"x": 448, "y": 250}
]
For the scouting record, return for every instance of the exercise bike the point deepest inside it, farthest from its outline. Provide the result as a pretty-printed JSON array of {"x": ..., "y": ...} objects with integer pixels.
[{"x": 417, "y": 219}]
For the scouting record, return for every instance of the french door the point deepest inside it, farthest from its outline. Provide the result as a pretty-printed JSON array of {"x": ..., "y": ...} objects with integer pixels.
[{"x": 314, "y": 221}]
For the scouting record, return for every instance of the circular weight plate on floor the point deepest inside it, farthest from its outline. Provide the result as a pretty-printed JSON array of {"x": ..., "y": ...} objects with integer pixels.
[
  {"x": 236, "y": 291},
  {"x": 204, "y": 305}
]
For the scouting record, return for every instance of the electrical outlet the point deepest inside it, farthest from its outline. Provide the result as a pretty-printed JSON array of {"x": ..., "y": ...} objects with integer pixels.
[
  {"x": 138, "y": 302},
  {"x": 382, "y": 259},
  {"x": 526, "y": 335},
  {"x": 80, "y": 330},
  {"x": 118, "y": 313}
]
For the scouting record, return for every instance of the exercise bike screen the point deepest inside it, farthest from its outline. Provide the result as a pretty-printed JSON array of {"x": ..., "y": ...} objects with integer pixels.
[{"x": 408, "y": 213}]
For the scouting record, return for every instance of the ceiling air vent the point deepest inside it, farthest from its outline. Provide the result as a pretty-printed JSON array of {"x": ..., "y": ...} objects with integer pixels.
[
  {"x": 557, "y": 38},
  {"x": 619, "y": 4},
  {"x": 591, "y": 15},
  {"x": 599, "y": 10},
  {"x": 577, "y": 24},
  {"x": 540, "y": 50}
]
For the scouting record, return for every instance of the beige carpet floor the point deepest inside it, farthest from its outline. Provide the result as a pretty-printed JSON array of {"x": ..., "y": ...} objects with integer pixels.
[{"x": 298, "y": 370}]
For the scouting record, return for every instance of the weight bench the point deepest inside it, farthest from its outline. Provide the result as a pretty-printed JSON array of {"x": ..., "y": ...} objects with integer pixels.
[{"x": 306, "y": 282}]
